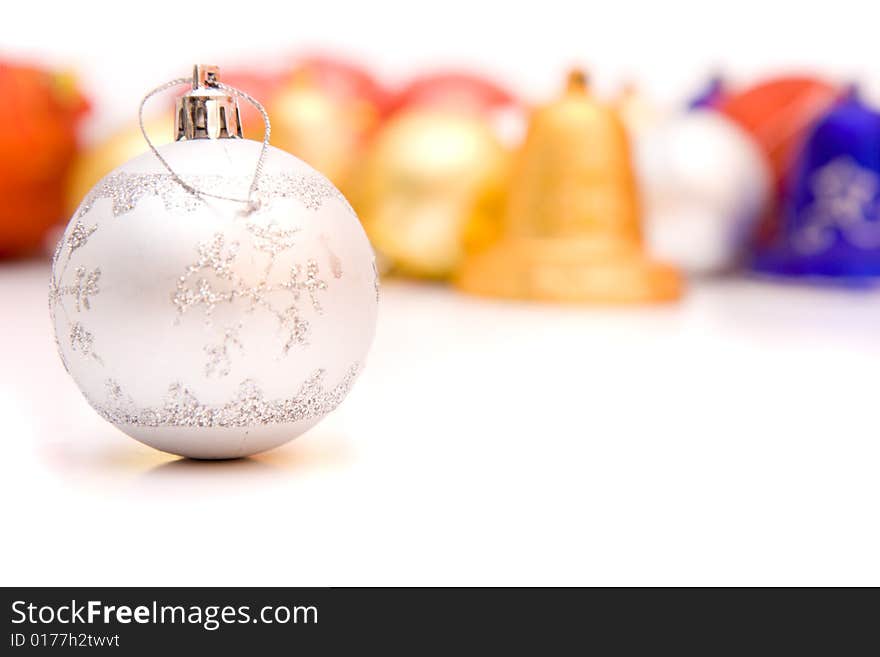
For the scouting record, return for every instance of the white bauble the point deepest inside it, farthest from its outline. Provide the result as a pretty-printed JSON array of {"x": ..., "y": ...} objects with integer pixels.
[
  {"x": 201, "y": 329},
  {"x": 704, "y": 185}
]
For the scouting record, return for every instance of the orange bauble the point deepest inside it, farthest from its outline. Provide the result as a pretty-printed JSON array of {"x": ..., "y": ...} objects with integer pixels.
[{"x": 38, "y": 120}]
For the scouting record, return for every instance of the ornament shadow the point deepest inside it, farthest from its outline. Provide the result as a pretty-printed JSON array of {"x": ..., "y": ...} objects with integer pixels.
[
  {"x": 183, "y": 467},
  {"x": 312, "y": 452},
  {"x": 308, "y": 455},
  {"x": 92, "y": 458},
  {"x": 99, "y": 464},
  {"x": 198, "y": 479}
]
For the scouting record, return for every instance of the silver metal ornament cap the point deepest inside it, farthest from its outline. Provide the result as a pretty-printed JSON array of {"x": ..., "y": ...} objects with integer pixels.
[{"x": 207, "y": 111}]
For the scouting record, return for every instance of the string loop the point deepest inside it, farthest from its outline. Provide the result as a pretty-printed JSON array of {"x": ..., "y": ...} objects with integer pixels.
[{"x": 250, "y": 201}]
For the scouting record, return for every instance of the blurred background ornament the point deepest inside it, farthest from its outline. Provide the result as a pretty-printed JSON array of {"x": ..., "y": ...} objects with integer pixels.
[
  {"x": 705, "y": 184},
  {"x": 640, "y": 114},
  {"x": 831, "y": 211},
  {"x": 433, "y": 181},
  {"x": 467, "y": 93},
  {"x": 571, "y": 229},
  {"x": 779, "y": 113},
  {"x": 39, "y": 114},
  {"x": 258, "y": 84},
  {"x": 215, "y": 297},
  {"x": 711, "y": 95},
  {"x": 325, "y": 110},
  {"x": 460, "y": 91},
  {"x": 96, "y": 161}
]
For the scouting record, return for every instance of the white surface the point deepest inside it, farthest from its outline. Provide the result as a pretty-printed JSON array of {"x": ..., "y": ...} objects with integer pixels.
[{"x": 729, "y": 440}]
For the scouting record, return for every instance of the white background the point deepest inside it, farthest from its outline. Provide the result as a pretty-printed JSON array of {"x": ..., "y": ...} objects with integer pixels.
[
  {"x": 731, "y": 439},
  {"x": 123, "y": 49}
]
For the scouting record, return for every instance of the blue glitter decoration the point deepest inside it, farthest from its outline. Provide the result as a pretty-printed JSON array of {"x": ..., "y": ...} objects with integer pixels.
[{"x": 830, "y": 211}]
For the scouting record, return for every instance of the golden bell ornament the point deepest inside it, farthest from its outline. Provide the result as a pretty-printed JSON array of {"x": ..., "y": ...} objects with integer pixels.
[
  {"x": 432, "y": 181},
  {"x": 571, "y": 228}
]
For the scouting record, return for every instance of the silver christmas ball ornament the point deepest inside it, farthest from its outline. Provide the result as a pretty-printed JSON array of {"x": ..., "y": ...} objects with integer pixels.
[{"x": 206, "y": 311}]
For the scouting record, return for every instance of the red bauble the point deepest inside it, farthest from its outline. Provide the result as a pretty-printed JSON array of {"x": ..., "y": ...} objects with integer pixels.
[
  {"x": 39, "y": 113},
  {"x": 779, "y": 114},
  {"x": 258, "y": 85},
  {"x": 343, "y": 80},
  {"x": 457, "y": 91}
]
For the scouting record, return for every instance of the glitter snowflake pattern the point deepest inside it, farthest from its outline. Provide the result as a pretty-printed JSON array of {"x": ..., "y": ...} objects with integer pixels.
[
  {"x": 247, "y": 408},
  {"x": 311, "y": 190},
  {"x": 272, "y": 238},
  {"x": 78, "y": 236},
  {"x": 219, "y": 361},
  {"x": 82, "y": 340},
  {"x": 126, "y": 190},
  {"x": 83, "y": 287},
  {"x": 211, "y": 281},
  {"x": 194, "y": 289},
  {"x": 845, "y": 202},
  {"x": 306, "y": 280},
  {"x": 376, "y": 279}
]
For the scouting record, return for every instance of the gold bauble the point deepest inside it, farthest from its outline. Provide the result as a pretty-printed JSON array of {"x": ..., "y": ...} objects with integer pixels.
[
  {"x": 571, "y": 228},
  {"x": 432, "y": 183},
  {"x": 99, "y": 160},
  {"x": 326, "y": 131}
]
